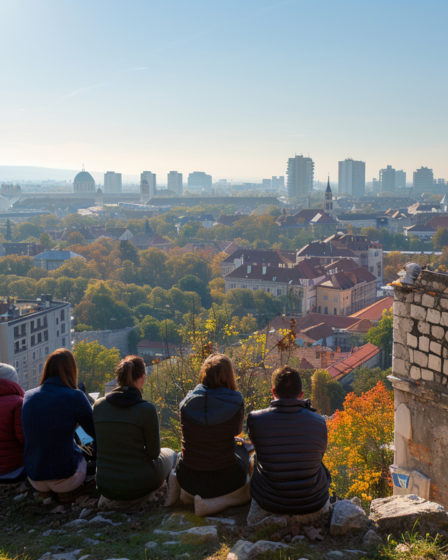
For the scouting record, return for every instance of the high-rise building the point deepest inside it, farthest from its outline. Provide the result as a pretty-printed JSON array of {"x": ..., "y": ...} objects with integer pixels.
[
  {"x": 423, "y": 180},
  {"x": 199, "y": 179},
  {"x": 148, "y": 185},
  {"x": 175, "y": 184},
  {"x": 29, "y": 332},
  {"x": 112, "y": 182},
  {"x": 352, "y": 178},
  {"x": 300, "y": 173},
  {"x": 278, "y": 183},
  {"x": 391, "y": 179}
]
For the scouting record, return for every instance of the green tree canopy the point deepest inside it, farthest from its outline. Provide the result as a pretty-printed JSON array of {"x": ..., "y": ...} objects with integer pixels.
[{"x": 96, "y": 364}]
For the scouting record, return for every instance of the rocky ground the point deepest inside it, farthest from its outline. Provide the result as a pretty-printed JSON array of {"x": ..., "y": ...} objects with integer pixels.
[{"x": 36, "y": 528}]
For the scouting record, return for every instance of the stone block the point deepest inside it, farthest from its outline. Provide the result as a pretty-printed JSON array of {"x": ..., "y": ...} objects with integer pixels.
[
  {"x": 347, "y": 517},
  {"x": 418, "y": 312},
  {"x": 445, "y": 367},
  {"x": 435, "y": 348},
  {"x": 423, "y": 343},
  {"x": 423, "y": 327},
  {"x": 398, "y": 513},
  {"x": 401, "y": 309},
  {"x": 444, "y": 319},
  {"x": 405, "y": 324},
  {"x": 435, "y": 363},
  {"x": 415, "y": 372},
  {"x": 411, "y": 340},
  {"x": 399, "y": 335},
  {"x": 420, "y": 358},
  {"x": 433, "y": 316},
  {"x": 443, "y": 303},
  {"x": 437, "y": 332},
  {"x": 399, "y": 367},
  {"x": 427, "y": 375},
  {"x": 403, "y": 421},
  {"x": 427, "y": 300},
  {"x": 401, "y": 351}
]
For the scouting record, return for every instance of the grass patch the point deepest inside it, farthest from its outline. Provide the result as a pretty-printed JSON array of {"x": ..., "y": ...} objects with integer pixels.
[{"x": 414, "y": 546}]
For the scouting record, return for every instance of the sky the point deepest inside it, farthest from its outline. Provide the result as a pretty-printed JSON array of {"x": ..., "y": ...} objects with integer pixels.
[{"x": 232, "y": 88}]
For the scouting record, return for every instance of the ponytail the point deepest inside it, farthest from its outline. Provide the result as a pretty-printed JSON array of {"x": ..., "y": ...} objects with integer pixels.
[{"x": 129, "y": 370}]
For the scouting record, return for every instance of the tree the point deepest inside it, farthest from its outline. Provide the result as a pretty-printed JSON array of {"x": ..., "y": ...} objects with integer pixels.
[
  {"x": 320, "y": 398},
  {"x": 365, "y": 379},
  {"x": 8, "y": 234},
  {"x": 101, "y": 311},
  {"x": 96, "y": 364},
  {"x": 192, "y": 283},
  {"x": 359, "y": 444},
  {"x": 381, "y": 336}
]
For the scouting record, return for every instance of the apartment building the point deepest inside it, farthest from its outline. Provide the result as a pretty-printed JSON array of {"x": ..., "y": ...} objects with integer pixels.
[{"x": 29, "y": 332}]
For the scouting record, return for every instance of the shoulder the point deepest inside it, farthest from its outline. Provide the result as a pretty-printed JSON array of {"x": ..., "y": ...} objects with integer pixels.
[{"x": 258, "y": 414}]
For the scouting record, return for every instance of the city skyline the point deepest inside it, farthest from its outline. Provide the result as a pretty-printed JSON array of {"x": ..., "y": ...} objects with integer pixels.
[{"x": 212, "y": 87}]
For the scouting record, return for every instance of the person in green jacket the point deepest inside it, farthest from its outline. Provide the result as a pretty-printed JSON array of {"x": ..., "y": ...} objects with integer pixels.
[{"x": 130, "y": 462}]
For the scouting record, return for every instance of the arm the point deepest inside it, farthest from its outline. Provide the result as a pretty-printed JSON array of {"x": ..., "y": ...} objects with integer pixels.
[
  {"x": 239, "y": 418},
  {"x": 151, "y": 432},
  {"x": 84, "y": 414}
]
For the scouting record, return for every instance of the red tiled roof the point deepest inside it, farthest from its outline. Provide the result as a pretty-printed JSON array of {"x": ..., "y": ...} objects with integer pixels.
[
  {"x": 355, "y": 359},
  {"x": 374, "y": 312},
  {"x": 272, "y": 273}
]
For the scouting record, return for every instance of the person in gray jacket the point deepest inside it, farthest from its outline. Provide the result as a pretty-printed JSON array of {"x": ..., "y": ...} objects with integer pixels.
[{"x": 290, "y": 440}]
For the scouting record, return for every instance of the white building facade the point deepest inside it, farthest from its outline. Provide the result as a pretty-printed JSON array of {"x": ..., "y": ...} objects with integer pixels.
[
  {"x": 112, "y": 182},
  {"x": 29, "y": 332},
  {"x": 352, "y": 178}
]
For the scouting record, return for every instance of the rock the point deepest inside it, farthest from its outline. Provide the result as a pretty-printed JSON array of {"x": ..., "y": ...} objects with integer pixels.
[
  {"x": 357, "y": 501},
  {"x": 170, "y": 543},
  {"x": 90, "y": 542},
  {"x": 84, "y": 557},
  {"x": 47, "y": 501},
  {"x": 19, "y": 497},
  {"x": 347, "y": 517},
  {"x": 58, "y": 509},
  {"x": 240, "y": 550},
  {"x": 223, "y": 520},
  {"x": 298, "y": 538},
  {"x": 371, "y": 539},
  {"x": 194, "y": 535},
  {"x": 76, "y": 523},
  {"x": 353, "y": 553},
  {"x": 103, "y": 520},
  {"x": 85, "y": 512},
  {"x": 334, "y": 555},
  {"x": 175, "y": 519},
  {"x": 65, "y": 556},
  {"x": 398, "y": 513},
  {"x": 151, "y": 544},
  {"x": 245, "y": 550}
]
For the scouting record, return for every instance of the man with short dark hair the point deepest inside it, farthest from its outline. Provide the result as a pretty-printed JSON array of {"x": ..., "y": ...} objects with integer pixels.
[{"x": 290, "y": 440}]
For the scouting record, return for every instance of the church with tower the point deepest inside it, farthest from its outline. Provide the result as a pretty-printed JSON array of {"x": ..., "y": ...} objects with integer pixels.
[{"x": 328, "y": 199}]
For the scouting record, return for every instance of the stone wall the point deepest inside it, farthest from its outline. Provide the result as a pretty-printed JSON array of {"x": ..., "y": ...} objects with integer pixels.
[
  {"x": 117, "y": 338},
  {"x": 420, "y": 382}
]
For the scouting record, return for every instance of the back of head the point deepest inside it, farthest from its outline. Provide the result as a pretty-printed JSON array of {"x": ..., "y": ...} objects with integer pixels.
[
  {"x": 129, "y": 370},
  {"x": 286, "y": 383},
  {"x": 8, "y": 373},
  {"x": 217, "y": 371},
  {"x": 61, "y": 363}
]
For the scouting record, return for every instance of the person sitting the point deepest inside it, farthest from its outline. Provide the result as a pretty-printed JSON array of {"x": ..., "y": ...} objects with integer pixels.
[
  {"x": 212, "y": 467},
  {"x": 50, "y": 416},
  {"x": 130, "y": 462},
  {"x": 290, "y": 440},
  {"x": 11, "y": 434}
]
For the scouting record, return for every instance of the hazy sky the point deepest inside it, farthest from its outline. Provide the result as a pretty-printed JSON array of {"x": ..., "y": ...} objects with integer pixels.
[{"x": 230, "y": 87}]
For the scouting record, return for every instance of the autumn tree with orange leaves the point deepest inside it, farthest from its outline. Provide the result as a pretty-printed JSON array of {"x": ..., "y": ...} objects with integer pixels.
[{"x": 359, "y": 445}]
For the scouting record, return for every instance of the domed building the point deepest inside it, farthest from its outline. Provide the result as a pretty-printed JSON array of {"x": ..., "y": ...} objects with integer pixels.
[{"x": 84, "y": 183}]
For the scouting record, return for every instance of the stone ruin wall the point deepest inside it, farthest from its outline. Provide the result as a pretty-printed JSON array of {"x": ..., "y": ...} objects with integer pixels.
[{"x": 420, "y": 382}]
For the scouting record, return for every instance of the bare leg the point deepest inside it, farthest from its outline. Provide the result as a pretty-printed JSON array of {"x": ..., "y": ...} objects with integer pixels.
[
  {"x": 185, "y": 497},
  {"x": 209, "y": 506},
  {"x": 173, "y": 491}
]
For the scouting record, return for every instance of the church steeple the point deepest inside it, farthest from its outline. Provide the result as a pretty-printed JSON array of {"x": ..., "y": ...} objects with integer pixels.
[{"x": 328, "y": 200}]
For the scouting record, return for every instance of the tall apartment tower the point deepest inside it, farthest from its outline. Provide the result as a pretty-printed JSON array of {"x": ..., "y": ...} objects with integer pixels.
[
  {"x": 148, "y": 185},
  {"x": 300, "y": 173},
  {"x": 352, "y": 178},
  {"x": 175, "y": 184},
  {"x": 423, "y": 180},
  {"x": 112, "y": 182},
  {"x": 391, "y": 179},
  {"x": 199, "y": 179}
]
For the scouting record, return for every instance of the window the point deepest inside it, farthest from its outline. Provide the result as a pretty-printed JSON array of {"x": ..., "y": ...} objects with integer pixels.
[
  {"x": 326, "y": 310},
  {"x": 45, "y": 336},
  {"x": 63, "y": 341},
  {"x": 63, "y": 315},
  {"x": 16, "y": 332},
  {"x": 33, "y": 339},
  {"x": 325, "y": 298},
  {"x": 32, "y": 325},
  {"x": 23, "y": 330},
  {"x": 39, "y": 338},
  {"x": 63, "y": 328},
  {"x": 16, "y": 347},
  {"x": 57, "y": 321}
]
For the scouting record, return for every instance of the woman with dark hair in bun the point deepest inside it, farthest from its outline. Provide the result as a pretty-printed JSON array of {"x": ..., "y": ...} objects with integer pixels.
[{"x": 130, "y": 462}]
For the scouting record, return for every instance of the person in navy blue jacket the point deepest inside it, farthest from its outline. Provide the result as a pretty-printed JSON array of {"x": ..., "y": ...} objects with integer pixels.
[{"x": 50, "y": 415}]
